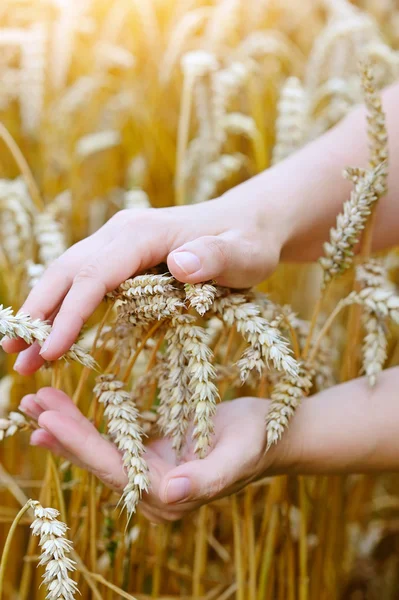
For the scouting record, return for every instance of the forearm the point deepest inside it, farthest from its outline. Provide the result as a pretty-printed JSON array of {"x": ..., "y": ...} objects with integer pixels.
[
  {"x": 350, "y": 428},
  {"x": 307, "y": 190}
]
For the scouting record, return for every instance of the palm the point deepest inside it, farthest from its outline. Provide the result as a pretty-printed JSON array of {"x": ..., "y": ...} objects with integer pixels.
[{"x": 237, "y": 447}]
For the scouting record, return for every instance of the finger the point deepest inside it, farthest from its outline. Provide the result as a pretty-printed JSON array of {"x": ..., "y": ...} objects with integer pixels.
[
  {"x": 45, "y": 298},
  {"x": 204, "y": 480},
  {"x": 150, "y": 514},
  {"x": 48, "y": 293},
  {"x": 30, "y": 407},
  {"x": 102, "y": 273},
  {"x": 87, "y": 446},
  {"x": 29, "y": 360},
  {"x": 12, "y": 345},
  {"x": 44, "y": 439},
  {"x": 49, "y": 398},
  {"x": 226, "y": 258}
]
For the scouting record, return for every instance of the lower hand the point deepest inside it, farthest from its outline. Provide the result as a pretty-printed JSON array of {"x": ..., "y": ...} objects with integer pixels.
[
  {"x": 349, "y": 428},
  {"x": 237, "y": 456}
]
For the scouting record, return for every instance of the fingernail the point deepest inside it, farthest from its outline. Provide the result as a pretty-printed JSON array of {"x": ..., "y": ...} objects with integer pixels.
[
  {"x": 18, "y": 363},
  {"x": 33, "y": 438},
  {"x": 46, "y": 345},
  {"x": 178, "y": 489},
  {"x": 40, "y": 402},
  {"x": 187, "y": 262}
]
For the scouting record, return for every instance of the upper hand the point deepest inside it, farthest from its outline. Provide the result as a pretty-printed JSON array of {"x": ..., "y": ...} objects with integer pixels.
[{"x": 221, "y": 239}]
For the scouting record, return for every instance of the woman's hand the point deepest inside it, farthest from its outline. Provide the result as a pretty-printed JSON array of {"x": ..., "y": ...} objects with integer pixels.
[
  {"x": 238, "y": 239},
  {"x": 236, "y": 459},
  {"x": 220, "y": 240},
  {"x": 349, "y": 428}
]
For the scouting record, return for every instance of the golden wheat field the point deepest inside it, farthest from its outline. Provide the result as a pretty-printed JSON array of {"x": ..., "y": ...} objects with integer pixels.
[{"x": 133, "y": 104}]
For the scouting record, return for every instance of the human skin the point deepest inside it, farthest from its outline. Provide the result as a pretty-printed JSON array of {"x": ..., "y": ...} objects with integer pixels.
[
  {"x": 238, "y": 239},
  {"x": 350, "y": 428}
]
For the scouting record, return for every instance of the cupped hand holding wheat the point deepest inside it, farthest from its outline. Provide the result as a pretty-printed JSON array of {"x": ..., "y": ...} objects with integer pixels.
[{"x": 321, "y": 439}]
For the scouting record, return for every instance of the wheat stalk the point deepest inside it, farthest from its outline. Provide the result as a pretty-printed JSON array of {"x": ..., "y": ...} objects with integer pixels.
[
  {"x": 122, "y": 420},
  {"x": 285, "y": 399},
  {"x": 11, "y": 424},
  {"x": 35, "y": 330},
  {"x": 266, "y": 342},
  {"x": 55, "y": 548},
  {"x": 339, "y": 251}
]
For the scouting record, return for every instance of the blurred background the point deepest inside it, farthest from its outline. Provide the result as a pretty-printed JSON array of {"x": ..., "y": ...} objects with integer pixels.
[{"x": 140, "y": 103}]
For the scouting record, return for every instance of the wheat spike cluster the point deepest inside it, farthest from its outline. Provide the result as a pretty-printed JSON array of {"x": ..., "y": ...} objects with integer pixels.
[{"x": 119, "y": 108}]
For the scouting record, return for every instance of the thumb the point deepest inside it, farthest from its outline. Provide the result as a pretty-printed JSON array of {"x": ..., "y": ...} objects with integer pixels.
[
  {"x": 203, "y": 480},
  {"x": 227, "y": 258}
]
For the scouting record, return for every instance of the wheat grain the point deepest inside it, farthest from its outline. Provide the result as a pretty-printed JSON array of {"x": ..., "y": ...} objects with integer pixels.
[
  {"x": 55, "y": 548},
  {"x": 375, "y": 347},
  {"x": 381, "y": 302},
  {"x": 377, "y": 132},
  {"x": 385, "y": 63},
  {"x": 374, "y": 274},
  {"x": 145, "y": 309},
  {"x": 200, "y": 296},
  {"x": 6, "y": 386},
  {"x": 35, "y": 330},
  {"x": 285, "y": 399},
  {"x": 215, "y": 173},
  {"x": 338, "y": 48},
  {"x": 97, "y": 142},
  {"x": 147, "y": 285},
  {"x": 174, "y": 410},
  {"x": 239, "y": 124},
  {"x": 198, "y": 63},
  {"x": 194, "y": 348},
  {"x": 136, "y": 199},
  {"x": 64, "y": 31},
  {"x": 339, "y": 251},
  {"x": 223, "y": 24},
  {"x": 272, "y": 44},
  {"x": 291, "y": 122},
  {"x": 266, "y": 342},
  {"x": 123, "y": 426},
  {"x": 111, "y": 56},
  {"x": 16, "y": 217},
  {"x": 181, "y": 35},
  {"x": 49, "y": 236},
  {"x": 11, "y": 424},
  {"x": 32, "y": 81}
]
